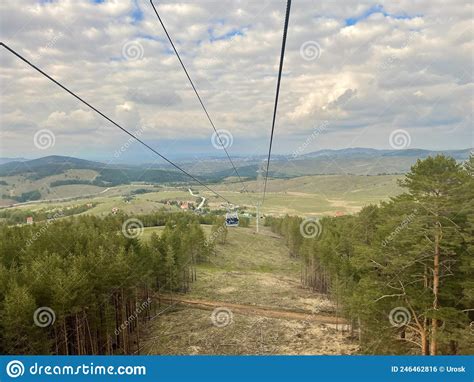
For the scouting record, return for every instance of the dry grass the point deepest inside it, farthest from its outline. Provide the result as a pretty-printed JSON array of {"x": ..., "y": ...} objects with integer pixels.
[
  {"x": 190, "y": 331},
  {"x": 255, "y": 270}
]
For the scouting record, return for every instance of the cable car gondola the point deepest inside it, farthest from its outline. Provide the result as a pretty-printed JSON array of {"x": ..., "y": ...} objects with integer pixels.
[{"x": 232, "y": 219}]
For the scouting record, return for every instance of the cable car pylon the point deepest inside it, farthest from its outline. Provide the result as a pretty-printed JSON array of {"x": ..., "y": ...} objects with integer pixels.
[{"x": 258, "y": 203}]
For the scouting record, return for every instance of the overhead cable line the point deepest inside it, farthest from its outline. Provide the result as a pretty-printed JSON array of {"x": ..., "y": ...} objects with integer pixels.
[
  {"x": 110, "y": 120},
  {"x": 196, "y": 92},
  {"x": 282, "y": 56}
]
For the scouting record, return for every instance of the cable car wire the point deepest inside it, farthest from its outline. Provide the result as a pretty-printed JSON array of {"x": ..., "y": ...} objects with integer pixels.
[
  {"x": 110, "y": 120},
  {"x": 282, "y": 56},
  {"x": 196, "y": 92}
]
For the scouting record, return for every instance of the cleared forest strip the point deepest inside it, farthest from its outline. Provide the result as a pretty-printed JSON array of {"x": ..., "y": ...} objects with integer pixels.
[{"x": 253, "y": 310}]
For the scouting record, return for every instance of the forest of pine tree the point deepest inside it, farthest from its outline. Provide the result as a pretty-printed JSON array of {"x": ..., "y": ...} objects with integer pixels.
[
  {"x": 402, "y": 272},
  {"x": 412, "y": 256},
  {"x": 100, "y": 284}
]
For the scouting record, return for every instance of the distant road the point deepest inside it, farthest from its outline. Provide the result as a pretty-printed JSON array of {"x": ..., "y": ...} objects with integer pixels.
[
  {"x": 254, "y": 310},
  {"x": 202, "y": 197},
  {"x": 55, "y": 200}
]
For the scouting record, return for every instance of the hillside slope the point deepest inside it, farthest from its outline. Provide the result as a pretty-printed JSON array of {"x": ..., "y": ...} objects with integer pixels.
[{"x": 252, "y": 280}]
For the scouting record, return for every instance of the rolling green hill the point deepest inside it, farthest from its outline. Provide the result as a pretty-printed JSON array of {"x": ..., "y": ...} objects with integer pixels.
[
  {"x": 338, "y": 179},
  {"x": 57, "y": 177}
]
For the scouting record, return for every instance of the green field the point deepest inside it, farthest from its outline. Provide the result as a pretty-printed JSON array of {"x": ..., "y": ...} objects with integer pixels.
[{"x": 308, "y": 195}]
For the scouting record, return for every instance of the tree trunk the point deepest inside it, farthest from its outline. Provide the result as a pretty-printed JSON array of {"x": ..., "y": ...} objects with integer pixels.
[
  {"x": 424, "y": 343},
  {"x": 78, "y": 336},
  {"x": 359, "y": 326},
  {"x": 434, "y": 321}
]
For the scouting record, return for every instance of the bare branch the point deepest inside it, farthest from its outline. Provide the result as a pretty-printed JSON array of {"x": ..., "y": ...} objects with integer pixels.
[{"x": 390, "y": 295}]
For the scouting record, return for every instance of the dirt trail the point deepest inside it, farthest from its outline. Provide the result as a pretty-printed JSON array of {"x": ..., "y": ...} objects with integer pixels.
[
  {"x": 267, "y": 309},
  {"x": 246, "y": 309}
]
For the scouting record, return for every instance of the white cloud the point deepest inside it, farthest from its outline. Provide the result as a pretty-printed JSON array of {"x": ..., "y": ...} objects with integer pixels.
[{"x": 403, "y": 65}]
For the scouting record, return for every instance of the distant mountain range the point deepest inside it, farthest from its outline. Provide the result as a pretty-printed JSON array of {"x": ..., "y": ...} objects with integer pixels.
[
  {"x": 107, "y": 175},
  {"x": 53, "y": 163},
  {"x": 7, "y": 160},
  {"x": 357, "y": 161},
  {"x": 367, "y": 152}
]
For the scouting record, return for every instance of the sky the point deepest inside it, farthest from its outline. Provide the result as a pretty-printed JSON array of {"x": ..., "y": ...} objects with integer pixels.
[{"x": 356, "y": 74}]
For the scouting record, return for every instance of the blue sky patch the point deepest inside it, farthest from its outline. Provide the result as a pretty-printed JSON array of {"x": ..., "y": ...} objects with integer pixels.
[
  {"x": 226, "y": 36},
  {"x": 375, "y": 9},
  {"x": 137, "y": 14}
]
